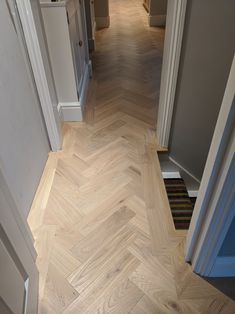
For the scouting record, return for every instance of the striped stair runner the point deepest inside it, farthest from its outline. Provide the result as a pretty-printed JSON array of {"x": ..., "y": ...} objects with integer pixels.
[{"x": 180, "y": 202}]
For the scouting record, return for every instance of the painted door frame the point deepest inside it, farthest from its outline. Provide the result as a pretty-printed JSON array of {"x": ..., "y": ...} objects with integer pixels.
[
  {"x": 175, "y": 19},
  {"x": 214, "y": 208},
  {"x": 36, "y": 59}
]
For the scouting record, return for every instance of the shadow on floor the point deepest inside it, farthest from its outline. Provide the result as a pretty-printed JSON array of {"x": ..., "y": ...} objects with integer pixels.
[{"x": 225, "y": 285}]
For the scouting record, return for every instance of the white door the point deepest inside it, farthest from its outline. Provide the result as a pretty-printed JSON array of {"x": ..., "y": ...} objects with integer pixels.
[
  {"x": 79, "y": 42},
  {"x": 18, "y": 273},
  {"x": 82, "y": 33},
  {"x": 77, "y": 48}
]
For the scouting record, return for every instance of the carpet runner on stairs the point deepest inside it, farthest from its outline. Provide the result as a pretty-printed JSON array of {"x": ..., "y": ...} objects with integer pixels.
[{"x": 180, "y": 203}]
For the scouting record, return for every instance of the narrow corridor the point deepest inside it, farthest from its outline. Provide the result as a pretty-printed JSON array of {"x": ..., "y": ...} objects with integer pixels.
[
  {"x": 101, "y": 220},
  {"x": 127, "y": 63}
]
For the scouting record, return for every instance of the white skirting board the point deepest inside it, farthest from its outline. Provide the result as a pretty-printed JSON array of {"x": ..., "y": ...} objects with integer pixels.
[
  {"x": 72, "y": 111},
  {"x": 102, "y": 22},
  {"x": 192, "y": 193},
  {"x": 223, "y": 267},
  {"x": 93, "y": 29},
  {"x": 185, "y": 170},
  {"x": 171, "y": 175},
  {"x": 157, "y": 20}
]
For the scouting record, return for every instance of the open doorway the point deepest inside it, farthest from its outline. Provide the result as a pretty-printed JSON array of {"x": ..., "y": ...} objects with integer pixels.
[
  {"x": 127, "y": 59},
  {"x": 203, "y": 73}
]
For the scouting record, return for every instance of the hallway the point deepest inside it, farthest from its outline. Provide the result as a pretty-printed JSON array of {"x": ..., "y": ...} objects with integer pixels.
[
  {"x": 127, "y": 63},
  {"x": 103, "y": 231}
]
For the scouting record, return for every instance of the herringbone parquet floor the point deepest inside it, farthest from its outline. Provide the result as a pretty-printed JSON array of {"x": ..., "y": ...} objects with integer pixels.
[{"x": 101, "y": 220}]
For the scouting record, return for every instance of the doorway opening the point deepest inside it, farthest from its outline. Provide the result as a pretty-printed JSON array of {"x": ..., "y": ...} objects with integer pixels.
[{"x": 127, "y": 62}]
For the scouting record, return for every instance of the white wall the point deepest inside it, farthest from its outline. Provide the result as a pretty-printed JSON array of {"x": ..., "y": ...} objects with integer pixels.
[{"x": 24, "y": 144}]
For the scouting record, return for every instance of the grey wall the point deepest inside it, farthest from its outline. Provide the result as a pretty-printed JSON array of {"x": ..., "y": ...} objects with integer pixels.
[
  {"x": 228, "y": 246},
  {"x": 207, "y": 52},
  {"x": 24, "y": 145},
  {"x": 158, "y": 7}
]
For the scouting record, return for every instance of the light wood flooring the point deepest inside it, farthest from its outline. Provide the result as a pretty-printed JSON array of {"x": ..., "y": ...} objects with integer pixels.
[{"x": 101, "y": 220}]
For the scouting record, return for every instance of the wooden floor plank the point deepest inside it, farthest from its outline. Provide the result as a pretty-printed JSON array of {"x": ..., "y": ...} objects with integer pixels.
[
  {"x": 121, "y": 299},
  {"x": 103, "y": 234}
]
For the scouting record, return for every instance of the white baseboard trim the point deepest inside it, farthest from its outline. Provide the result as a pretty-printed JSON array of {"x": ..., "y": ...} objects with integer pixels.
[
  {"x": 102, "y": 22},
  {"x": 192, "y": 193},
  {"x": 93, "y": 29},
  {"x": 70, "y": 111},
  {"x": 157, "y": 20},
  {"x": 171, "y": 175},
  {"x": 224, "y": 267},
  {"x": 185, "y": 170}
]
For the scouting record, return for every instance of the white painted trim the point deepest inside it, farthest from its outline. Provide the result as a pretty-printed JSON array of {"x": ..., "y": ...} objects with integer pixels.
[
  {"x": 176, "y": 10},
  {"x": 192, "y": 193},
  {"x": 185, "y": 170},
  {"x": 92, "y": 40},
  {"x": 27, "y": 20},
  {"x": 157, "y": 20},
  {"x": 102, "y": 22},
  {"x": 85, "y": 84},
  {"x": 26, "y": 287},
  {"x": 220, "y": 214},
  {"x": 68, "y": 104},
  {"x": 73, "y": 111},
  {"x": 214, "y": 209},
  {"x": 224, "y": 267},
  {"x": 70, "y": 111},
  {"x": 90, "y": 69},
  {"x": 94, "y": 29},
  {"x": 171, "y": 175}
]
